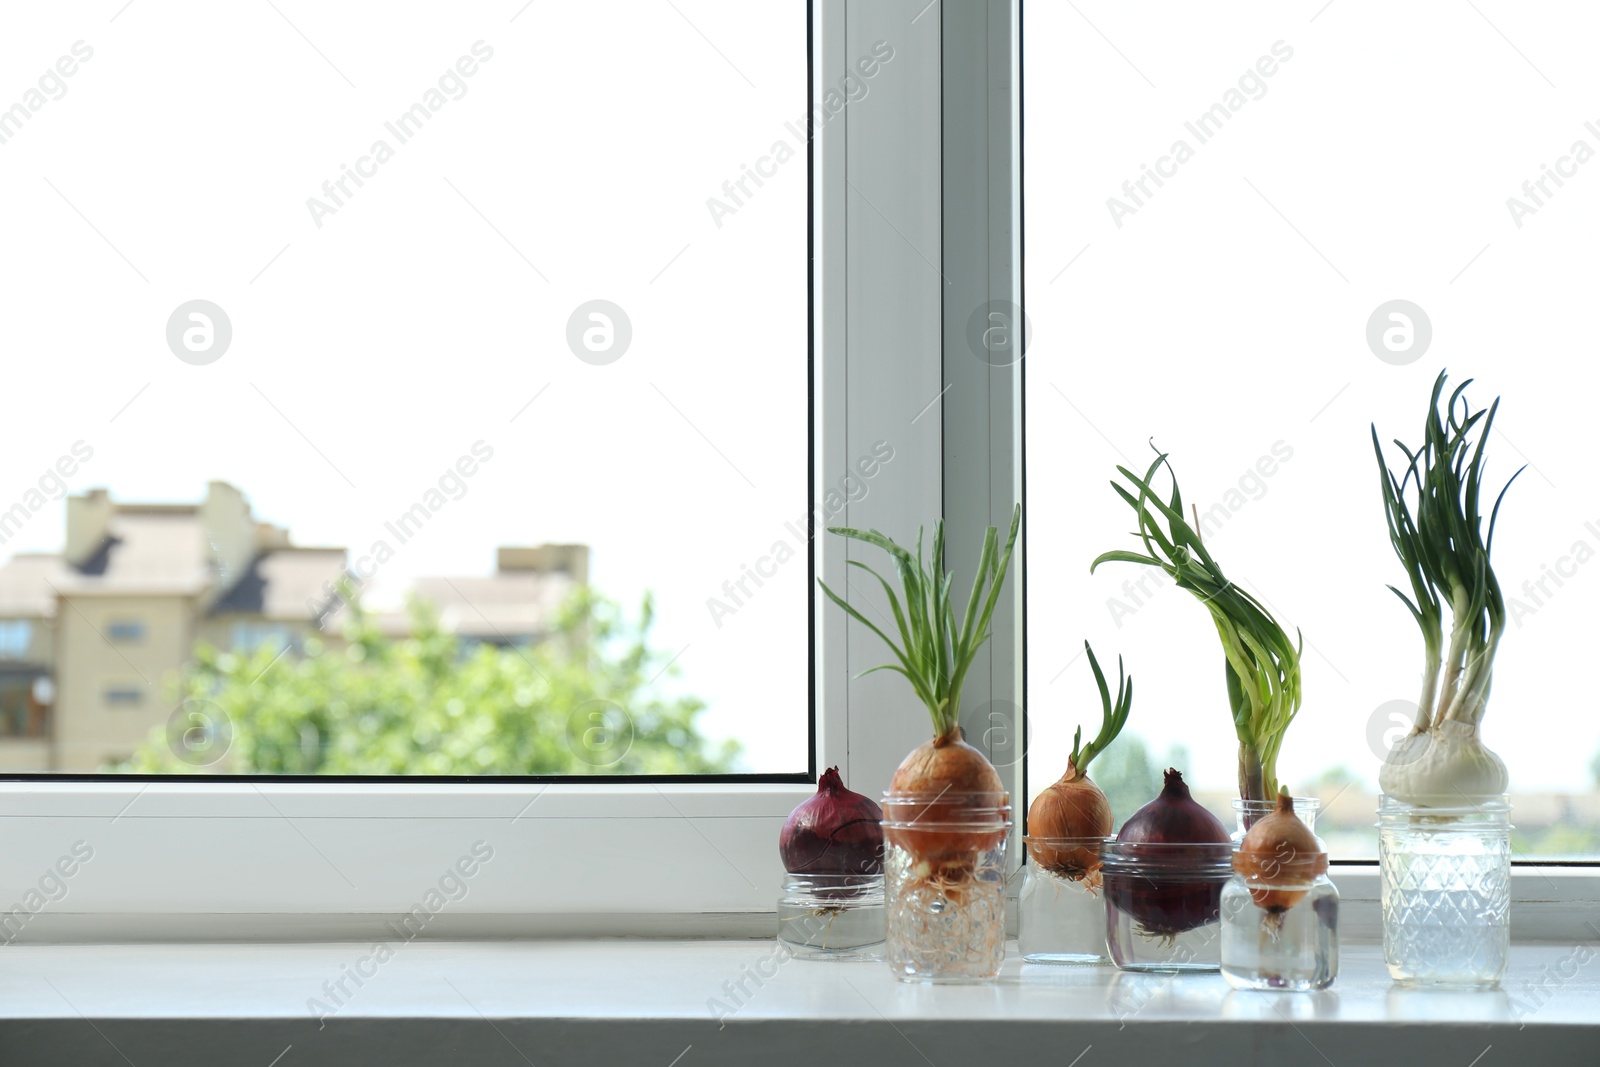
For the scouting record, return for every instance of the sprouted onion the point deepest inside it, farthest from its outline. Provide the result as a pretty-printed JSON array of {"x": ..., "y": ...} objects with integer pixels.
[
  {"x": 935, "y": 650},
  {"x": 1435, "y": 526},
  {"x": 1262, "y": 665},
  {"x": 1066, "y": 817},
  {"x": 1279, "y": 859}
]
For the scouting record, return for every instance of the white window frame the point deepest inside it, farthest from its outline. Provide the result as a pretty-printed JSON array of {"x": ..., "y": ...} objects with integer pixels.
[{"x": 917, "y": 222}]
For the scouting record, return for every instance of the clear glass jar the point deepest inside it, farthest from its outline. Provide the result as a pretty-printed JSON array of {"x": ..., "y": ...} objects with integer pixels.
[
  {"x": 1246, "y": 812},
  {"x": 1296, "y": 948},
  {"x": 945, "y": 885},
  {"x": 1061, "y": 915},
  {"x": 1163, "y": 903},
  {"x": 832, "y": 916},
  {"x": 1445, "y": 890}
]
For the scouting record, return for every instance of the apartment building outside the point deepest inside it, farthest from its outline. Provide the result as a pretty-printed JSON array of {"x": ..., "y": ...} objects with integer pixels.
[{"x": 91, "y": 638}]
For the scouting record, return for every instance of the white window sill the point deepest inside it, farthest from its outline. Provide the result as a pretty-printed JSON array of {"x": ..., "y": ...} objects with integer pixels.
[{"x": 647, "y": 1002}]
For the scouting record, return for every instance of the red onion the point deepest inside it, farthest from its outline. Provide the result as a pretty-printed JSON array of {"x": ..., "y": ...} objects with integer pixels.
[
  {"x": 1178, "y": 889},
  {"x": 834, "y": 832}
]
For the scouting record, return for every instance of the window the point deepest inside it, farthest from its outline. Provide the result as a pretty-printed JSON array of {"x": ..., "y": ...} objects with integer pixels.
[
  {"x": 125, "y": 631},
  {"x": 1249, "y": 239},
  {"x": 496, "y": 367},
  {"x": 879, "y": 374},
  {"x": 124, "y": 695},
  {"x": 250, "y": 636},
  {"x": 16, "y": 637},
  {"x": 915, "y": 236}
]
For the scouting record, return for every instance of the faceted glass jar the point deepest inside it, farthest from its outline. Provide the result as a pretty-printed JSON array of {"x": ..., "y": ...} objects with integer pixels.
[
  {"x": 1445, "y": 890},
  {"x": 832, "y": 916},
  {"x": 945, "y": 885},
  {"x": 1163, "y": 903},
  {"x": 1061, "y": 910},
  {"x": 1293, "y": 949}
]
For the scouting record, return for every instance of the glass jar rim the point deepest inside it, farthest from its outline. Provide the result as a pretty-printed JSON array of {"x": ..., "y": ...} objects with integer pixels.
[
  {"x": 1391, "y": 807},
  {"x": 800, "y": 880},
  {"x": 1300, "y": 804},
  {"x": 985, "y": 798},
  {"x": 946, "y": 811},
  {"x": 1209, "y": 859},
  {"x": 1076, "y": 842}
]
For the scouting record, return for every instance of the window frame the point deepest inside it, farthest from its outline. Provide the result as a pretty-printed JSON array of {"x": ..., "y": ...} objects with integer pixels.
[{"x": 916, "y": 220}]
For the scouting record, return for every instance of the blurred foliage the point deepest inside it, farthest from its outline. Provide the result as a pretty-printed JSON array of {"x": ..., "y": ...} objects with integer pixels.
[{"x": 582, "y": 701}]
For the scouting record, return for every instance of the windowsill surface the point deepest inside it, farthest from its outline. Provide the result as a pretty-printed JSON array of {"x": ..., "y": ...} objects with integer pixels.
[{"x": 646, "y": 1001}]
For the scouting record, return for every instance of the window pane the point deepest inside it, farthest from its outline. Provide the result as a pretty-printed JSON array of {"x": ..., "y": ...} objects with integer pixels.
[
  {"x": 416, "y": 391},
  {"x": 1219, "y": 208}
]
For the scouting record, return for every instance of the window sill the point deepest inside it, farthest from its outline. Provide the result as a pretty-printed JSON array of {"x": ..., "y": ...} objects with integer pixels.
[{"x": 649, "y": 1001}]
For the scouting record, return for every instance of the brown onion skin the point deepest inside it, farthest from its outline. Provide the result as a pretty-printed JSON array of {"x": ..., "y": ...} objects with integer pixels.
[
  {"x": 1073, "y": 807},
  {"x": 833, "y": 832},
  {"x": 1275, "y": 847},
  {"x": 949, "y": 768},
  {"x": 1170, "y": 905}
]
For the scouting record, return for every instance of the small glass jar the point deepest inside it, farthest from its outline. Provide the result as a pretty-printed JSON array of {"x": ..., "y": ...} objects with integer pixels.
[
  {"x": 1163, "y": 903},
  {"x": 1246, "y": 812},
  {"x": 945, "y": 885},
  {"x": 1061, "y": 915},
  {"x": 1445, "y": 891},
  {"x": 1280, "y": 927},
  {"x": 832, "y": 916}
]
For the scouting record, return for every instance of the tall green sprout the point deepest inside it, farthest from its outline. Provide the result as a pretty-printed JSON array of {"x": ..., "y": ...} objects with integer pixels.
[
  {"x": 1434, "y": 522},
  {"x": 1262, "y": 666},
  {"x": 935, "y": 650}
]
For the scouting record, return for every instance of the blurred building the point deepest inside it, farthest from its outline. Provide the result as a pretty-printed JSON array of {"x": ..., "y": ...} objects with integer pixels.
[{"x": 92, "y": 638}]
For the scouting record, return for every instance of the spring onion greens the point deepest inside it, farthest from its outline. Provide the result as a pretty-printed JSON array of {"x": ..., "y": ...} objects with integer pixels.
[
  {"x": 1262, "y": 666},
  {"x": 1435, "y": 526},
  {"x": 934, "y": 652}
]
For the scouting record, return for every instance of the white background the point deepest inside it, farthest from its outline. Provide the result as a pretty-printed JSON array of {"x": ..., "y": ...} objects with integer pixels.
[
  {"x": 406, "y": 327},
  {"x": 1230, "y": 312}
]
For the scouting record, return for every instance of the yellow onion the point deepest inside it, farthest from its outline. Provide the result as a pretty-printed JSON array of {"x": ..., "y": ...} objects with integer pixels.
[
  {"x": 1060, "y": 820},
  {"x": 1279, "y": 858},
  {"x": 1067, "y": 820}
]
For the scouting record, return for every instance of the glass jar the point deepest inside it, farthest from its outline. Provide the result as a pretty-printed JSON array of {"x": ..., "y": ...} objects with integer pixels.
[
  {"x": 1280, "y": 931},
  {"x": 945, "y": 885},
  {"x": 1163, "y": 903},
  {"x": 1246, "y": 812},
  {"x": 832, "y": 916},
  {"x": 1061, "y": 914},
  {"x": 1445, "y": 891}
]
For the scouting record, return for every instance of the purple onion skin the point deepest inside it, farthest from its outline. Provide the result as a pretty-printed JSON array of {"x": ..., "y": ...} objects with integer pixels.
[
  {"x": 1169, "y": 905},
  {"x": 1174, "y": 818},
  {"x": 834, "y": 832}
]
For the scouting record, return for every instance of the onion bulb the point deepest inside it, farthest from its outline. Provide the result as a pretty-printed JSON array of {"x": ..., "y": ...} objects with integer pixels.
[
  {"x": 834, "y": 832},
  {"x": 946, "y": 833},
  {"x": 1179, "y": 891},
  {"x": 1279, "y": 858},
  {"x": 1443, "y": 767},
  {"x": 1066, "y": 819}
]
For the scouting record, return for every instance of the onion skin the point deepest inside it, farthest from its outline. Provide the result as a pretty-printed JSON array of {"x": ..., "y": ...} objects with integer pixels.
[
  {"x": 1170, "y": 905},
  {"x": 834, "y": 832},
  {"x": 949, "y": 769},
  {"x": 1282, "y": 854},
  {"x": 1073, "y": 807},
  {"x": 1447, "y": 766}
]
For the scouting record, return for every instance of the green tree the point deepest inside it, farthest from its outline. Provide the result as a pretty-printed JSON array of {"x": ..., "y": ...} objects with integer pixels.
[{"x": 583, "y": 700}]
